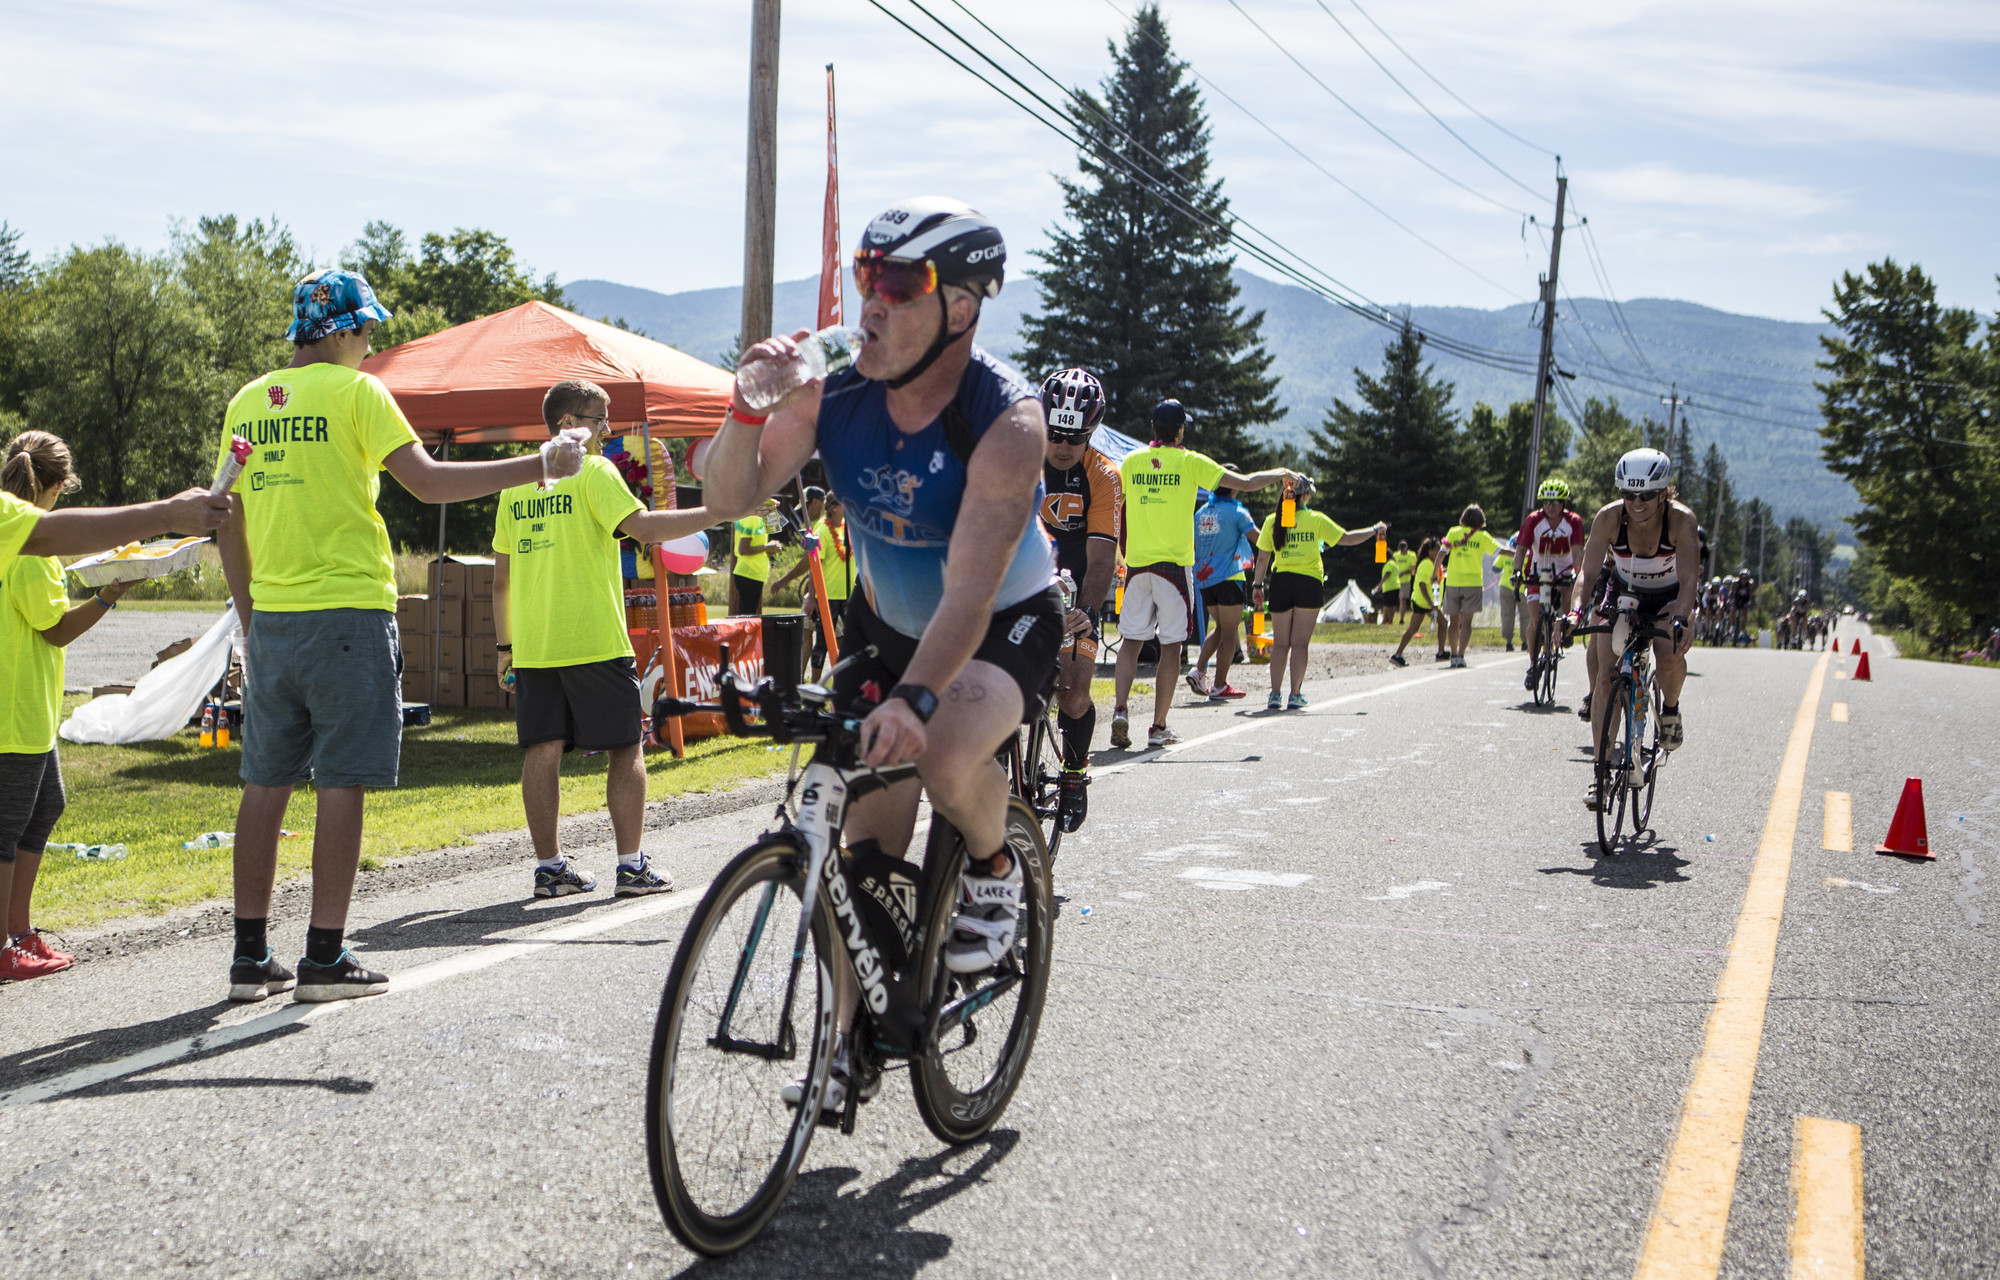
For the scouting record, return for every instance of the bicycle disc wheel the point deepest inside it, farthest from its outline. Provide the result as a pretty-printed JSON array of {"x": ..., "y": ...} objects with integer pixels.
[
  {"x": 1611, "y": 788},
  {"x": 985, "y": 1023},
  {"x": 1043, "y": 764},
  {"x": 722, "y": 1144}
]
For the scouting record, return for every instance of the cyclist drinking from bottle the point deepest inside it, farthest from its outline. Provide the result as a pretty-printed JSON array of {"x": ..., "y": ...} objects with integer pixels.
[
  {"x": 936, "y": 448},
  {"x": 1645, "y": 534},
  {"x": 1082, "y": 505}
]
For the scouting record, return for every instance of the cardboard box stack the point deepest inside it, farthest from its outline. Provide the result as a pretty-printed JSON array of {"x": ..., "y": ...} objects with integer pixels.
[{"x": 449, "y": 632}]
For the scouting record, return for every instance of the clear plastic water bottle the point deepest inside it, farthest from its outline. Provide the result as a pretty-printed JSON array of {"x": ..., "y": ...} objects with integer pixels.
[
  {"x": 101, "y": 852},
  {"x": 212, "y": 840},
  {"x": 763, "y": 383}
]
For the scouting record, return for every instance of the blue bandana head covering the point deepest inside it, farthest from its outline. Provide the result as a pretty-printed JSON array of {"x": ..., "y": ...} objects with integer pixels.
[{"x": 328, "y": 301}]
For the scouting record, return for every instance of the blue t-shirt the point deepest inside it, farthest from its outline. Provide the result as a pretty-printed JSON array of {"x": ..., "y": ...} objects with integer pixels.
[
  {"x": 1223, "y": 536},
  {"x": 902, "y": 492}
]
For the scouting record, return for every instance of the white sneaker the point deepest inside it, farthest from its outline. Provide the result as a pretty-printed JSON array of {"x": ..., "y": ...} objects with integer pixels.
[
  {"x": 832, "y": 1104},
  {"x": 1198, "y": 682},
  {"x": 1161, "y": 736},
  {"x": 1121, "y": 731},
  {"x": 988, "y": 916}
]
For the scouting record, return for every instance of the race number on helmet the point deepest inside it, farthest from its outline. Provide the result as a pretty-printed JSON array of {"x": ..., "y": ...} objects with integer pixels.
[{"x": 1072, "y": 400}]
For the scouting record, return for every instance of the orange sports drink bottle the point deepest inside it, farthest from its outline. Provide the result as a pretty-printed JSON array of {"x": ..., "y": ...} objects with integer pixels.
[
  {"x": 208, "y": 725},
  {"x": 222, "y": 727},
  {"x": 1381, "y": 548},
  {"x": 1288, "y": 508}
]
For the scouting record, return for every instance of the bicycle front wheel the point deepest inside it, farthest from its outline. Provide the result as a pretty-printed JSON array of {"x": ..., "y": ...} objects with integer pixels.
[
  {"x": 983, "y": 1024},
  {"x": 1612, "y": 767},
  {"x": 1551, "y": 651},
  {"x": 1651, "y": 757},
  {"x": 1042, "y": 765},
  {"x": 723, "y": 1145}
]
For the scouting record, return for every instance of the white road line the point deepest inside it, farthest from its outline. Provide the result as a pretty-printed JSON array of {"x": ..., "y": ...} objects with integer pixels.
[{"x": 293, "y": 1013}]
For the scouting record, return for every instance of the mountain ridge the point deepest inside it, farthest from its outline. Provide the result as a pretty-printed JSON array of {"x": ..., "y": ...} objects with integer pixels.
[{"x": 1734, "y": 369}]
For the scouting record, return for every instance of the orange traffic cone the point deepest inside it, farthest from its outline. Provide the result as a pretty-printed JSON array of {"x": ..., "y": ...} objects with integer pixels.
[
  {"x": 1861, "y": 668},
  {"x": 1907, "y": 835}
]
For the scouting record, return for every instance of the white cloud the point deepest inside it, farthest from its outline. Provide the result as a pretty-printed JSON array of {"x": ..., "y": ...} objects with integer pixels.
[{"x": 1664, "y": 185}]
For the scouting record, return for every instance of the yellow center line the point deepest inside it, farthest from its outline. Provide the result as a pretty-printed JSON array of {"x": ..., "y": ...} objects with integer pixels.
[
  {"x": 1826, "y": 1239},
  {"x": 1839, "y": 713},
  {"x": 1684, "y": 1239},
  {"x": 1837, "y": 828}
]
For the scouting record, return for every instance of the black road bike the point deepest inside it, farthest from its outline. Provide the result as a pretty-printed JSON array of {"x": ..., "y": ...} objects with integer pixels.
[
  {"x": 749, "y": 1005},
  {"x": 1629, "y": 754},
  {"x": 1547, "y": 644}
]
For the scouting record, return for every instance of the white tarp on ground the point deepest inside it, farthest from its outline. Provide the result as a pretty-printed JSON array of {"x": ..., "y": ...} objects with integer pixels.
[
  {"x": 165, "y": 698},
  {"x": 1348, "y": 606}
]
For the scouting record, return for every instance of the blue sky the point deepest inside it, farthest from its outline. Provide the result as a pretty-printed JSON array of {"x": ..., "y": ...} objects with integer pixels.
[{"x": 1735, "y": 154}]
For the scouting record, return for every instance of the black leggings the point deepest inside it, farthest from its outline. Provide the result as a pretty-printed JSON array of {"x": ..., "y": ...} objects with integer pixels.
[{"x": 31, "y": 799}]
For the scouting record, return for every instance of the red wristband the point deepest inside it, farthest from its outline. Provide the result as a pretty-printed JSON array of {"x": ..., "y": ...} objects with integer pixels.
[{"x": 748, "y": 421}]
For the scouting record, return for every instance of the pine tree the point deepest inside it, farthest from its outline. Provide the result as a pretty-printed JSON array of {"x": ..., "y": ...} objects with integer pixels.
[
  {"x": 1138, "y": 290},
  {"x": 1399, "y": 456},
  {"x": 1503, "y": 444}
]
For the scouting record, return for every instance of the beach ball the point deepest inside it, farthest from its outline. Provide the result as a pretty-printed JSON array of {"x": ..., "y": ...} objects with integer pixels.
[{"x": 685, "y": 555}]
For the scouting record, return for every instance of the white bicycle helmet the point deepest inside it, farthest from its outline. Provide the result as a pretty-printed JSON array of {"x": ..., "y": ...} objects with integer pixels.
[{"x": 1643, "y": 471}]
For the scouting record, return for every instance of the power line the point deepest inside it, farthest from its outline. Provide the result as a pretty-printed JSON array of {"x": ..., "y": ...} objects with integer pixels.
[
  {"x": 1422, "y": 104},
  {"x": 1226, "y": 96},
  {"x": 1447, "y": 88},
  {"x": 1363, "y": 118},
  {"x": 1374, "y": 312},
  {"x": 1412, "y": 232}
]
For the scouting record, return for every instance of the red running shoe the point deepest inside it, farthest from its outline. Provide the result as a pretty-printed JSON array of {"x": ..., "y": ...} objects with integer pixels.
[
  {"x": 17, "y": 965},
  {"x": 37, "y": 946},
  {"x": 1227, "y": 691}
]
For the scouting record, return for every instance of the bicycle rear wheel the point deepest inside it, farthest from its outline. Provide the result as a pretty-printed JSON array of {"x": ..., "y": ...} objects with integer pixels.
[
  {"x": 984, "y": 1024},
  {"x": 722, "y": 1145},
  {"x": 1551, "y": 651},
  {"x": 1612, "y": 767}
]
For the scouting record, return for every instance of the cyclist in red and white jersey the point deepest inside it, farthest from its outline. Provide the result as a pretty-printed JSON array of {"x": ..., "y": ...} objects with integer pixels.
[{"x": 1551, "y": 539}]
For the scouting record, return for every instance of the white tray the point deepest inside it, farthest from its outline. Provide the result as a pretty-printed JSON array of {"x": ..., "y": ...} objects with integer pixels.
[{"x": 154, "y": 560}]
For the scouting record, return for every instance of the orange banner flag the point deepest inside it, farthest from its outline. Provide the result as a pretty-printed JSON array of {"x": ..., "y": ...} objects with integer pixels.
[{"x": 829, "y": 271}]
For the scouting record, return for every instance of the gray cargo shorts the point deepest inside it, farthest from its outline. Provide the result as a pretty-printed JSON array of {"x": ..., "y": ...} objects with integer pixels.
[{"x": 323, "y": 699}]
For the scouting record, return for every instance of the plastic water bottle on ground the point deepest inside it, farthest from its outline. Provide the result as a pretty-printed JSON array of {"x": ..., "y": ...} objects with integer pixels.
[
  {"x": 102, "y": 852},
  {"x": 763, "y": 383},
  {"x": 212, "y": 840}
]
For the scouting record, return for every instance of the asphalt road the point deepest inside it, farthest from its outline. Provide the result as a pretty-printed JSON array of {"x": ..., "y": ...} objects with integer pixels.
[{"x": 1355, "y": 996}]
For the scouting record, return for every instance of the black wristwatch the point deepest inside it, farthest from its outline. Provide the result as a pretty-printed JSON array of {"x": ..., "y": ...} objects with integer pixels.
[{"x": 921, "y": 700}]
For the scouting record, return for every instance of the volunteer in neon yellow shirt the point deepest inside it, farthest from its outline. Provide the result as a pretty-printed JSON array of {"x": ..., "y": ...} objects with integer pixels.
[
  {"x": 1405, "y": 561},
  {"x": 836, "y": 562},
  {"x": 1418, "y": 589},
  {"x": 1160, "y": 484},
  {"x": 1291, "y": 576},
  {"x": 559, "y": 619},
  {"x": 1386, "y": 595},
  {"x": 1467, "y": 547},
  {"x": 750, "y": 540},
  {"x": 36, "y": 621},
  {"x": 309, "y": 572}
]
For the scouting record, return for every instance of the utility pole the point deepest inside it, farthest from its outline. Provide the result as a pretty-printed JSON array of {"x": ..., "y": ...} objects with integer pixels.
[
  {"x": 1721, "y": 506},
  {"x": 760, "y": 178},
  {"x": 1545, "y": 366},
  {"x": 1673, "y": 401},
  {"x": 1763, "y": 526}
]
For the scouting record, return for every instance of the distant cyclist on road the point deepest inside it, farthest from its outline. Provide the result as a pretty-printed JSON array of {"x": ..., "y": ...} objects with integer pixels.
[
  {"x": 936, "y": 448},
  {"x": 1550, "y": 540},
  {"x": 1082, "y": 505},
  {"x": 1646, "y": 534}
]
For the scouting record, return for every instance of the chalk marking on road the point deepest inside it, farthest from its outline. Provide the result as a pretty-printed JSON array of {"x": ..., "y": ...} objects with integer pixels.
[
  {"x": 1839, "y": 713},
  {"x": 1826, "y": 1239},
  {"x": 1835, "y": 882},
  {"x": 1261, "y": 879},
  {"x": 1398, "y": 892},
  {"x": 294, "y": 1013},
  {"x": 1837, "y": 828},
  {"x": 1684, "y": 1239},
  {"x": 1271, "y": 717}
]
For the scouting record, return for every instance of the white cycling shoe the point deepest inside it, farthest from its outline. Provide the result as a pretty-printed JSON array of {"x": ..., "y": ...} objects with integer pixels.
[{"x": 988, "y": 916}]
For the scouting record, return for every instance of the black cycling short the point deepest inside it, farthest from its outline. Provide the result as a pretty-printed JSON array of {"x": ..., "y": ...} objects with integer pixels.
[
  {"x": 1655, "y": 603},
  {"x": 1294, "y": 591},
  {"x": 749, "y": 595},
  {"x": 1223, "y": 594},
  {"x": 593, "y": 705},
  {"x": 1021, "y": 640}
]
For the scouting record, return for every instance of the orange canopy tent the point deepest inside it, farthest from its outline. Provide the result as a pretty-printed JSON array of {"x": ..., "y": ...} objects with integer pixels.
[{"x": 482, "y": 382}]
